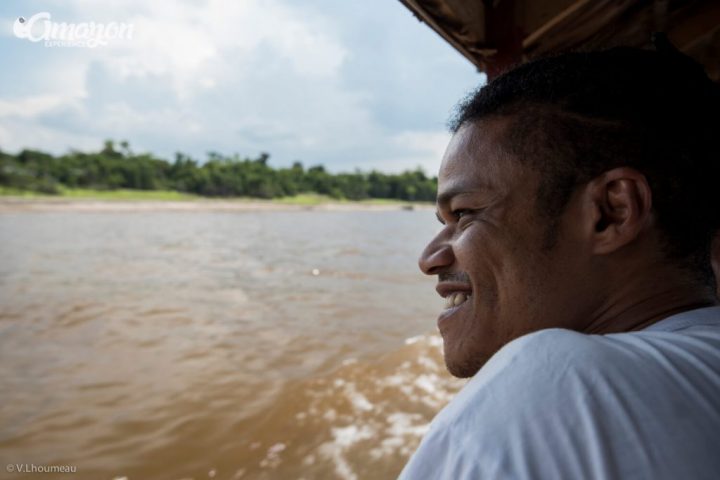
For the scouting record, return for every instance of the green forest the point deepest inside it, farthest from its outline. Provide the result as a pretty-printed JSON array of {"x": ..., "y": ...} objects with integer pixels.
[{"x": 116, "y": 167}]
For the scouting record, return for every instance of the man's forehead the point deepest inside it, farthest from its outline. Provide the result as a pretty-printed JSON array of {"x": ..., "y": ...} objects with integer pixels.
[
  {"x": 459, "y": 152},
  {"x": 471, "y": 161}
]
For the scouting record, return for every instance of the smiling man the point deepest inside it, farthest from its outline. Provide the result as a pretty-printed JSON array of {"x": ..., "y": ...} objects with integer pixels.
[{"x": 578, "y": 198}]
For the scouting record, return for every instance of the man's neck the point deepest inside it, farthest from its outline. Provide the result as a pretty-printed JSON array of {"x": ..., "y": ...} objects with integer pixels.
[{"x": 644, "y": 302}]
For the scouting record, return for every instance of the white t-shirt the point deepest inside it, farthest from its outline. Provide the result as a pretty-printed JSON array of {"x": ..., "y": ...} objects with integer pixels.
[{"x": 558, "y": 404}]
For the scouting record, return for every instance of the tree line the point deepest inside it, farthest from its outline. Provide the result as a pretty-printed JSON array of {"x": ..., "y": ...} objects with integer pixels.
[{"x": 117, "y": 167}]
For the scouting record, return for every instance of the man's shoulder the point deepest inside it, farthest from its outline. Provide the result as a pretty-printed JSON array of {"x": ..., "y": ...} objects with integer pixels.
[
  {"x": 552, "y": 352},
  {"x": 536, "y": 366},
  {"x": 561, "y": 404},
  {"x": 561, "y": 370},
  {"x": 552, "y": 344},
  {"x": 519, "y": 411},
  {"x": 549, "y": 351}
]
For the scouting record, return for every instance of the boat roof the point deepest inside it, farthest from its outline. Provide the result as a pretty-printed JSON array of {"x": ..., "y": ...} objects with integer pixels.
[{"x": 496, "y": 34}]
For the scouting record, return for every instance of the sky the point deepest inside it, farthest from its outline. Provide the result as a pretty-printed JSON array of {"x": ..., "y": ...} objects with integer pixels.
[{"x": 345, "y": 84}]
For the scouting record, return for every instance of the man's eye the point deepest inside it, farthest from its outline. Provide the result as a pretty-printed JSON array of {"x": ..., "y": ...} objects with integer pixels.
[{"x": 461, "y": 212}]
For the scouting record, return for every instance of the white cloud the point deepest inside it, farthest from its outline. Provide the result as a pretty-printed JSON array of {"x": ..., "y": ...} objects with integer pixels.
[
  {"x": 20, "y": 134},
  {"x": 248, "y": 76},
  {"x": 31, "y": 106},
  {"x": 187, "y": 39},
  {"x": 427, "y": 144}
]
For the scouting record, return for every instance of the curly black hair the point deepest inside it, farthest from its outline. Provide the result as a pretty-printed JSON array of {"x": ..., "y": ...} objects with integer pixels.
[{"x": 576, "y": 115}]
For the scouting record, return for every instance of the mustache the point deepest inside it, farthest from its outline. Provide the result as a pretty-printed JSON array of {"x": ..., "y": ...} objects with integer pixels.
[{"x": 459, "y": 277}]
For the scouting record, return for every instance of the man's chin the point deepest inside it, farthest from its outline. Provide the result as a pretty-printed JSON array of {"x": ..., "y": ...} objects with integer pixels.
[
  {"x": 463, "y": 356},
  {"x": 466, "y": 368}
]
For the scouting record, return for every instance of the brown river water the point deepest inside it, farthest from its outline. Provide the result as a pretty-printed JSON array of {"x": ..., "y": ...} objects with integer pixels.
[{"x": 206, "y": 345}]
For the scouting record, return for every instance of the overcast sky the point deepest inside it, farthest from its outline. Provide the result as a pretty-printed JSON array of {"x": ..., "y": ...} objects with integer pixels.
[{"x": 346, "y": 84}]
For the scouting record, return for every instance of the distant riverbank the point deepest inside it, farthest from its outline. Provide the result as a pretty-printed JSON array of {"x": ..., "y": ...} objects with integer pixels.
[{"x": 134, "y": 200}]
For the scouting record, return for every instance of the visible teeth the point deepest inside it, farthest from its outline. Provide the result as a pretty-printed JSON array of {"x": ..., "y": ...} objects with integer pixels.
[{"x": 455, "y": 299}]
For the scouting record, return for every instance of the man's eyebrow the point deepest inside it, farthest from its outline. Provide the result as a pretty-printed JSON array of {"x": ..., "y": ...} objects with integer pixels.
[{"x": 445, "y": 197}]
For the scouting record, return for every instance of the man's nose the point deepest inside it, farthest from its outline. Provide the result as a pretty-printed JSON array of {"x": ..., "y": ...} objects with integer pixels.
[{"x": 436, "y": 257}]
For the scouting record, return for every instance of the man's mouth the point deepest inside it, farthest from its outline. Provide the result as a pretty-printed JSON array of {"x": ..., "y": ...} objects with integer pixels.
[
  {"x": 454, "y": 302},
  {"x": 456, "y": 295},
  {"x": 455, "y": 299}
]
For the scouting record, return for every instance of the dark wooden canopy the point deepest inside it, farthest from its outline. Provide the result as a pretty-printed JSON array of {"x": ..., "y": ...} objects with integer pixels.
[{"x": 496, "y": 34}]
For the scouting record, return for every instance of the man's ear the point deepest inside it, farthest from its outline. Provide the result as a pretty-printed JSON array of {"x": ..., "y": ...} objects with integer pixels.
[{"x": 620, "y": 204}]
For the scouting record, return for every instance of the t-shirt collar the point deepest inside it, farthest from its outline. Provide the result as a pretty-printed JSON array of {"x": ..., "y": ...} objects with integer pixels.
[{"x": 689, "y": 318}]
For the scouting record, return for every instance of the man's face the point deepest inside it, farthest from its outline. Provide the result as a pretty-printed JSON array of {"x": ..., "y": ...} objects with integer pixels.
[{"x": 494, "y": 268}]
